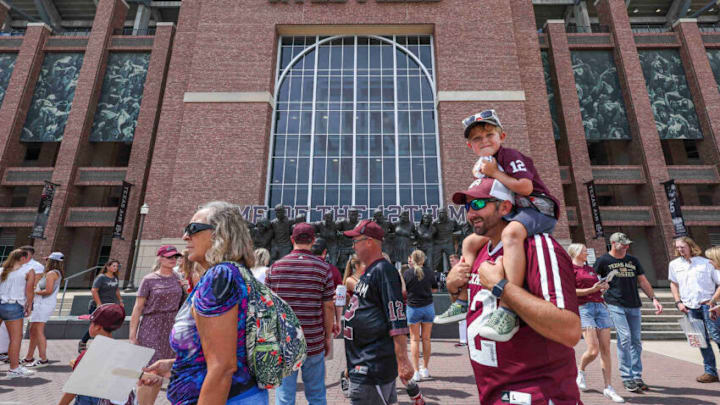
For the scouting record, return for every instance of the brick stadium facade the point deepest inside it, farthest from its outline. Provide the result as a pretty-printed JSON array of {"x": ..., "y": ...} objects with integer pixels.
[{"x": 205, "y": 125}]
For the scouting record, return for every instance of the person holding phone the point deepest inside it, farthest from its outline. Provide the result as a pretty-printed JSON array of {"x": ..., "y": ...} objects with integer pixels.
[{"x": 594, "y": 319}]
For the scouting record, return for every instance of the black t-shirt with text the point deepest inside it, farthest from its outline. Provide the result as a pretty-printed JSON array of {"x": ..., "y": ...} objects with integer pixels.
[
  {"x": 375, "y": 314},
  {"x": 623, "y": 289},
  {"x": 419, "y": 292}
]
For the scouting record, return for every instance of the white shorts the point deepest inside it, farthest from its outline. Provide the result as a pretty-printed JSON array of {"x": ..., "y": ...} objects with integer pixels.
[{"x": 42, "y": 311}]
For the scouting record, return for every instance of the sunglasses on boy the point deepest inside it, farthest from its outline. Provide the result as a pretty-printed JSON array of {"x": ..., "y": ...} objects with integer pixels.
[
  {"x": 482, "y": 115},
  {"x": 479, "y": 203},
  {"x": 194, "y": 227}
]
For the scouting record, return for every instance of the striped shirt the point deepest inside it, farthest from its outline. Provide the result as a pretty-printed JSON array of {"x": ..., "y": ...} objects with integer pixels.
[{"x": 304, "y": 281}]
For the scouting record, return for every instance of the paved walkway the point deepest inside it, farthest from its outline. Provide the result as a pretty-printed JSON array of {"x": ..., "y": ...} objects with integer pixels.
[{"x": 672, "y": 380}]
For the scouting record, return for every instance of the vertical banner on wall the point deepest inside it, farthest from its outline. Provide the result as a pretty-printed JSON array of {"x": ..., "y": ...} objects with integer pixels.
[
  {"x": 43, "y": 212},
  {"x": 122, "y": 209},
  {"x": 673, "y": 196},
  {"x": 595, "y": 209}
]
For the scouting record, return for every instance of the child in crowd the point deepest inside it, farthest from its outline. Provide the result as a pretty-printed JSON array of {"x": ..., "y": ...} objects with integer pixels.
[
  {"x": 103, "y": 321},
  {"x": 536, "y": 212}
]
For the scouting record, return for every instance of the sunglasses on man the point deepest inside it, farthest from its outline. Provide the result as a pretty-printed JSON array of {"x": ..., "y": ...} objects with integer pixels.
[
  {"x": 194, "y": 227},
  {"x": 479, "y": 203}
]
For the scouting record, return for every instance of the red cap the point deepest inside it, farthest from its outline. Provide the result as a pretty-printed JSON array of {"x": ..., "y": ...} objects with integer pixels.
[
  {"x": 485, "y": 187},
  {"x": 366, "y": 227},
  {"x": 303, "y": 232},
  {"x": 168, "y": 251},
  {"x": 109, "y": 316}
]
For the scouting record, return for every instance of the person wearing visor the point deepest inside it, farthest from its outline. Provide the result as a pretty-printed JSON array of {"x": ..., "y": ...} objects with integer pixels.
[
  {"x": 537, "y": 366},
  {"x": 535, "y": 212}
]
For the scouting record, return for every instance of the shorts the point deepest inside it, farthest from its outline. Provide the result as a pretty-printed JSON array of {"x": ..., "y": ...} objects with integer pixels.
[
  {"x": 42, "y": 311},
  {"x": 366, "y": 394},
  {"x": 421, "y": 314},
  {"x": 11, "y": 311},
  {"x": 533, "y": 220},
  {"x": 595, "y": 315}
]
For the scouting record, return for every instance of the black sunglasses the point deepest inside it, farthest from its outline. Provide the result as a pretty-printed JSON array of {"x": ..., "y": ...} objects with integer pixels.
[
  {"x": 479, "y": 203},
  {"x": 194, "y": 227}
]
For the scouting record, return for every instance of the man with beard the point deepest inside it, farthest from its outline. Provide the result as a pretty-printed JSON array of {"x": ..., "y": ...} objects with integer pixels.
[{"x": 536, "y": 366}]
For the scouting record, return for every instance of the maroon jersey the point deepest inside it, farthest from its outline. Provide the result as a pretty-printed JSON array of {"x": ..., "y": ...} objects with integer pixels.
[
  {"x": 585, "y": 277},
  {"x": 529, "y": 369},
  {"x": 519, "y": 166}
]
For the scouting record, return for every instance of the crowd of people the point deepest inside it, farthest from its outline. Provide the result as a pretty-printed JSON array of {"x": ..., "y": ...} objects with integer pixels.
[{"x": 522, "y": 300}]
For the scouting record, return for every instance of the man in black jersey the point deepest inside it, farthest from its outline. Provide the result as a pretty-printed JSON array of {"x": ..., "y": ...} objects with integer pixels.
[{"x": 375, "y": 326}]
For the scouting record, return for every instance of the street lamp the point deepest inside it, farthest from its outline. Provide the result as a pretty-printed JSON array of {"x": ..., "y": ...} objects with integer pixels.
[{"x": 143, "y": 212}]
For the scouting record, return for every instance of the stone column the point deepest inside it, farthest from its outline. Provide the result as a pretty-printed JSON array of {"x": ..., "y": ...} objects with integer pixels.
[
  {"x": 642, "y": 125},
  {"x": 537, "y": 110},
  {"x": 139, "y": 164},
  {"x": 110, "y": 15},
  {"x": 700, "y": 80},
  {"x": 572, "y": 120},
  {"x": 19, "y": 94},
  {"x": 4, "y": 13}
]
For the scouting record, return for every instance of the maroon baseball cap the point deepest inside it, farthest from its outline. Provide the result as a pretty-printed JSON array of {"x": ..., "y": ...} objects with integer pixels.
[
  {"x": 109, "y": 316},
  {"x": 485, "y": 187},
  {"x": 168, "y": 251},
  {"x": 303, "y": 232},
  {"x": 366, "y": 227}
]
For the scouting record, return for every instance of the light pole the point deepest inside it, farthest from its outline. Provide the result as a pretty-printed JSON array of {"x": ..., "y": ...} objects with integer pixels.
[{"x": 143, "y": 212}]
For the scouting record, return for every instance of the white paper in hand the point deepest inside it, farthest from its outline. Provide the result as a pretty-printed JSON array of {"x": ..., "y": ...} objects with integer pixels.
[{"x": 109, "y": 370}]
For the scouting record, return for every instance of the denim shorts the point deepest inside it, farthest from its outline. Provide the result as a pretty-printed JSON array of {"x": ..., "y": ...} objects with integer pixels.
[
  {"x": 421, "y": 314},
  {"x": 595, "y": 315},
  {"x": 533, "y": 220},
  {"x": 11, "y": 311}
]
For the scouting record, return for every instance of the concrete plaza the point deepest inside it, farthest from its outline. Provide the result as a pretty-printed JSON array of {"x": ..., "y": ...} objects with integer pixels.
[{"x": 670, "y": 370}]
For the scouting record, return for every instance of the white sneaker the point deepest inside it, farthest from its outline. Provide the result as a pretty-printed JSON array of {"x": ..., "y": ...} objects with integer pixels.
[
  {"x": 19, "y": 372},
  {"x": 609, "y": 392},
  {"x": 424, "y": 373},
  {"x": 581, "y": 381},
  {"x": 416, "y": 377}
]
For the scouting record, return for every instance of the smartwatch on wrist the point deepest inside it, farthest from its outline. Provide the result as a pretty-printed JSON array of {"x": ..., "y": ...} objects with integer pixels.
[{"x": 499, "y": 288}]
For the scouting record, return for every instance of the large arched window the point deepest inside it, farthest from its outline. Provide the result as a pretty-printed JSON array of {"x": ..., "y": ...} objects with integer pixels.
[{"x": 355, "y": 123}]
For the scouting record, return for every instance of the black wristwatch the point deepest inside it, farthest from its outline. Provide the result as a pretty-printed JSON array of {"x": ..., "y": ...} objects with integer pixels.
[
  {"x": 499, "y": 288},
  {"x": 677, "y": 303}
]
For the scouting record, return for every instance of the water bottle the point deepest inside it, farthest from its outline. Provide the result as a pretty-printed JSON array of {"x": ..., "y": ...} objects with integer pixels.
[{"x": 414, "y": 393}]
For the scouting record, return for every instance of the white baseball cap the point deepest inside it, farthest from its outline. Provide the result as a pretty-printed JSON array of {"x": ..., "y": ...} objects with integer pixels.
[{"x": 57, "y": 256}]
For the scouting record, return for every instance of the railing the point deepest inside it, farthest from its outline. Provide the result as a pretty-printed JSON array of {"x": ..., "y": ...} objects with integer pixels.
[
  {"x": 584, "y": 29},
  {"x": 709, "y": 27},
  {"x": 12, "y": 33},
  {"x": 134, "y": 32},
  {"x": 78, "y": 32},
  {"x": 62, "y": 300},
  {"x": 639, "y": 28}
]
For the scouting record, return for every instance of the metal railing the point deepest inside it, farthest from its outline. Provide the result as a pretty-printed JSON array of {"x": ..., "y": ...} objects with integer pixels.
[
  {"x": 62, "y": 300},
  {"x": 709, "y": 27},
  {"x": 134, "y": 32},
  {"x": 79, "y": 32},
  {"x": 640, "y": 28},
  {"x": 584, "y": 29}
]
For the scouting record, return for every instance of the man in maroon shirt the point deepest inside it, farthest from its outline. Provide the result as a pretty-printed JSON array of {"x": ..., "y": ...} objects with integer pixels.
[
  {"x": 305, "y": 282},
  {"x": 537, "y": 365}
]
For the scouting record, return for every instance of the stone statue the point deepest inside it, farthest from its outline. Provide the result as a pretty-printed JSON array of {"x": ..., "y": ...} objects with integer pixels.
[
  {"x": 443, "y": 243},
  {"x": 465, "y": 230},
  {"x": 388, "y": 228},
  {"x": 261, "y": 234},
  {"x": 345, "y": 245},
  {"x": 404, "y": 234},
  {"x": 328, "y": 230},
  {"x": 281, "y": 231},
  {"x": 425, "y": 235}
]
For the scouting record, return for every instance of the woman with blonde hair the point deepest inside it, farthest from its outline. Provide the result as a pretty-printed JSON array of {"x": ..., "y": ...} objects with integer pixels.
[
  {"x": 594, "y": 319},
  {"x": 208, "y": 337},
  {"x": 262, "y": 259},
  {"x": 16, "y": 301},
  {"x": 421, "y": 283},
  {"x": 43, "y": 307}
]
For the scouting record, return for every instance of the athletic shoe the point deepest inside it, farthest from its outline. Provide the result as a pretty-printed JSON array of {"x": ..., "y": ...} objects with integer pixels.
[
  {"x": 344, "y": 384},
  {"x": 25, "y": 362},
  {"x": 609, "y": 392},
  {"x": 501, "y": 326},
  {"x": 460, "y": 344},
  {"x": 424, "y": 373},
  {"x": 631, "y": 386},
  {"x": 581, "y": 381},
  {"x": 4, "y": 357},
  {"x": 82, "y": 346},
  {"x": 639, "y": 382},
  {"x": 19, "y": 372},
  {"x": 38, "y": 363},
  {"x": 707, "y": 378},
  {"x": 416, "y": 377},
  {"x": 454, "y": 313}
]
